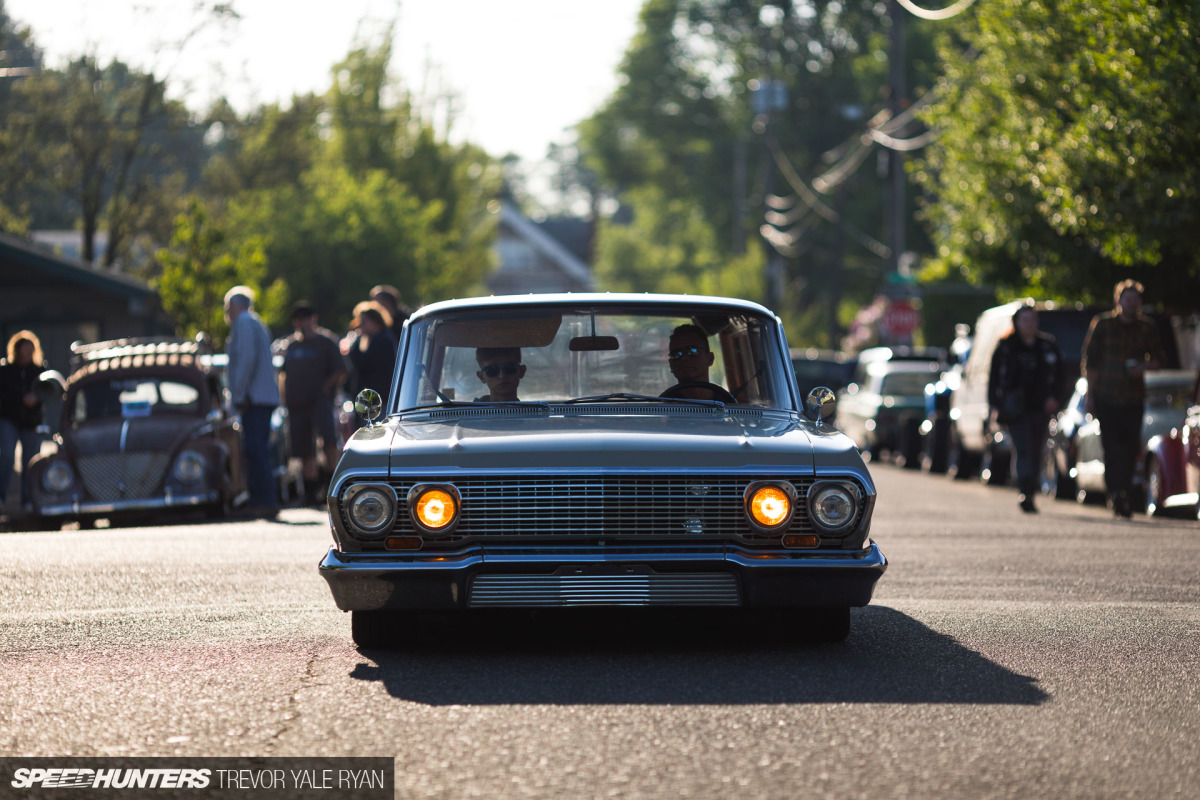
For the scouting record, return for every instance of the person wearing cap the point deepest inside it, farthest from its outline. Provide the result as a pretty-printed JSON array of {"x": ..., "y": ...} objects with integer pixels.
[
  {"x": 313, "y": 369},
  {"x": 255, "y": 393}
]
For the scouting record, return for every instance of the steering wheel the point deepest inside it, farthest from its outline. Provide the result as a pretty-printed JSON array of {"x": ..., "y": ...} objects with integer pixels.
[{"x": 718, "y": 392}]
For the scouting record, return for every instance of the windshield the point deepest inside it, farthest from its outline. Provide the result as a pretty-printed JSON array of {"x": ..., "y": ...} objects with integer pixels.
[
  {"x": 133, "y": 397},
  {"x": 561, "y": 353}
]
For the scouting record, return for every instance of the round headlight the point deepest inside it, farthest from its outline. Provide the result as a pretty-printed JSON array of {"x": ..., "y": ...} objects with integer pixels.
[
  {"x": 769, "y": 505},
  {"x": 434, "y": 509},
  {"x": 833, "y": 506},
  {"x": 190, "y": 467},
  {"x": 371, "y": 508},
  {"x": 58, "y": 477}
]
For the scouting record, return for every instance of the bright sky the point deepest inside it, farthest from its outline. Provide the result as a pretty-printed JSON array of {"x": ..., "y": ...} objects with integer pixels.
[{"x": 523, "y": 70}]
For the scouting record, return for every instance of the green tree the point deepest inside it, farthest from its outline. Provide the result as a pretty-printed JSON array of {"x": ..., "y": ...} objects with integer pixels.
[
  {"x": 1067, "y": 155},
  {"x": 201, "y": 263},
  {"x": 684, "y": 121},
  {"x": 107, "y": 139}
]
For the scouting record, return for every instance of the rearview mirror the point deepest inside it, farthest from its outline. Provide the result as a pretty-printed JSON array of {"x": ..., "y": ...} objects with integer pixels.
[
  {"x": 586, "y": 343},
  {"x": 820, "y": 404}
]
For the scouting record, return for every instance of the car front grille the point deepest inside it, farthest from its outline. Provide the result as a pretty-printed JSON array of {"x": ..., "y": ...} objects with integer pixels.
[
  {"x": 110, "y": 477},
  {"x": 544, "y": 591},
  {"x": 700, "y": 508}
]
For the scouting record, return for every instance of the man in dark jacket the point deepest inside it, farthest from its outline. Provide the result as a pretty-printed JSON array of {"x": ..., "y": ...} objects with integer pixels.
[
  {"x": 1026, "y": 372},
  {"x": 1120, "y": 346}
]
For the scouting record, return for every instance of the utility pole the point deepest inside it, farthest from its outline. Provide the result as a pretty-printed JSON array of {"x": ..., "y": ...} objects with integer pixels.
[
  {"x": 895, "y": 202},
  {"x": 769, "y": 96}
]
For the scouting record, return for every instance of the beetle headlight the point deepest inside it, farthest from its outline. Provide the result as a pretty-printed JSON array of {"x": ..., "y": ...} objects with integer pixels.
[
  {"x": 770, "y": 505},
  {"x": 434, "y": 507},
  {"x": 190, "y": 467},
  {"x": 833, "y": 507},
  {"x": 58, "y": 477},
  {"x": 370, "y": 507}
]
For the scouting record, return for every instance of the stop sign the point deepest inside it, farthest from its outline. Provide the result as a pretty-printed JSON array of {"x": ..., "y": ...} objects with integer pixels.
[{"x": 901, "y": 317}]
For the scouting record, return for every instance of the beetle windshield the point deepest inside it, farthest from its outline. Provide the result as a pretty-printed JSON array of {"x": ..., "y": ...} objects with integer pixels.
[{"x": 558, "y": 353}]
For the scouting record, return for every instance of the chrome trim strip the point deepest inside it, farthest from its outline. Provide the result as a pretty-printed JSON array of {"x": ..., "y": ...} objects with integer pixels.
[
  {"x": 174, "y": 501},
  {"x": 868, "y": 558}
]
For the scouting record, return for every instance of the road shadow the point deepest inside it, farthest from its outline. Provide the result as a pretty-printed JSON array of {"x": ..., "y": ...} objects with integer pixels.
[{"x": 702, "y": 658}]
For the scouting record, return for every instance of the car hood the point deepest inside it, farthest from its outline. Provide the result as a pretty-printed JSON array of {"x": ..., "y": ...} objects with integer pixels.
[
  {"x": 161, "y": 434},
  {"x": 602, "y": 442}
]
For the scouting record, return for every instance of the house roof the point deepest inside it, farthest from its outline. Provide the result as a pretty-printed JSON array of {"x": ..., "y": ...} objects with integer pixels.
[
  {"x": 26, "y": 264},
  {"x": 545, "y": 245}
]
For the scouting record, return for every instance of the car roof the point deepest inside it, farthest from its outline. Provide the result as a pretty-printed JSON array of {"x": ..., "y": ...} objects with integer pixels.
[{"x": 593, "y": 299}]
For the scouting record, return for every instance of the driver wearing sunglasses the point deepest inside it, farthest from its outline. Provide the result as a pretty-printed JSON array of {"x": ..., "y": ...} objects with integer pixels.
[
  {"x": 689, "y": 357},
  {"x": 501, "y": 369}
]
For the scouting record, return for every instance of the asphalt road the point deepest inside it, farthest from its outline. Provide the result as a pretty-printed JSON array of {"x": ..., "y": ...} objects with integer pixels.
[{"x": 1005, "y": 655}]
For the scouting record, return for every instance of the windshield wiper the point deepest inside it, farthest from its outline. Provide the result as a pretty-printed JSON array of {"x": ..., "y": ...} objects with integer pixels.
[
  {"x": 477, "y": 404},
  {"x": 642, "y": 398}
]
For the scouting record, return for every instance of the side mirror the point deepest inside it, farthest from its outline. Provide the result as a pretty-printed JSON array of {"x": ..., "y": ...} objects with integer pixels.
[
  {"x": 369, "y": 404},
  {"x": 820, "y": 404}
]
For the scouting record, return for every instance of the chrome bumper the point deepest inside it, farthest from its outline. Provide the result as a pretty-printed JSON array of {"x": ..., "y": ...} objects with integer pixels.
[
  {"x": 510, "y": 577},
  {"x": 77, "y": 508}
]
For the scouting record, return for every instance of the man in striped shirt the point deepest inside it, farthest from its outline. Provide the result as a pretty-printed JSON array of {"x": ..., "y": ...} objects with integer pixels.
[{"x": 255, "y": 393}]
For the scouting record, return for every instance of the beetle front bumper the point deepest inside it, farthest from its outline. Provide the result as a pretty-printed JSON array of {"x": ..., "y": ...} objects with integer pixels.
[{"x": 514, "y": 577}]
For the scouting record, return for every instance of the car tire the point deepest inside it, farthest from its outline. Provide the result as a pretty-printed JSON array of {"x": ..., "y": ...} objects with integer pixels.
[
  {"x": 936, "y": 457},
  {"x": 910, "y": 444},
  {"x": 374, "y": 630},
  {"x": 828, "y": 624},
  {"x": 1152, "y": 484},
  {"x": 997, "y": 463}
]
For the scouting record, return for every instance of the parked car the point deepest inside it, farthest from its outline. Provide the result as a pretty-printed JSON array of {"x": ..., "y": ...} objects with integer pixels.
[
  {"x": 977, "y": 446},
  {"x": 1172, "y": 469},
  {"x": 829, "y": 368},
  {"x": 1058, "y": 464},
  {"x": 883, "y": 409},
  {"x": 144, "y": 431},
  {"x": 935, "y": 428},
  {"x": 600, "y": 486},
  {"x": 1167, "y": 400}
]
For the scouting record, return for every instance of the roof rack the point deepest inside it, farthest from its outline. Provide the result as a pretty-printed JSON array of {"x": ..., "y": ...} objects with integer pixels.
[{"x": 138, "y": 347}]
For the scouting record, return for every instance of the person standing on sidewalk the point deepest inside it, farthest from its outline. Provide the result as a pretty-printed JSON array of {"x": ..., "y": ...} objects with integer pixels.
[
  {"x": 20, "y": 410},
  {"x": 1120, "y": 346},
  {"x": 255, "y": 393},
  {"x": 313, "y": 369},
  {"x": 1023, "y": 384}
]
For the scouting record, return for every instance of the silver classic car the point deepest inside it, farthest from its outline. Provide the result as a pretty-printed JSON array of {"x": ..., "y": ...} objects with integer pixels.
[{"x": 550, "y": 451}]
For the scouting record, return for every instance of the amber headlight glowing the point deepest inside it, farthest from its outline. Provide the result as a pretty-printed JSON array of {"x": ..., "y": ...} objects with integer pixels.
[
  {"x": 434, "y": 507},
  {"x": 769, "y": 505},
  {"x": 833, "y": 507},
  {"x": 370, "y": 507},
  {"x": 58, "y": 478}
]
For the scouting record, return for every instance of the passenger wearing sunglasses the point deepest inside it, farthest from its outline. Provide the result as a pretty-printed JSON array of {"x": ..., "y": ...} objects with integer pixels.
[
  {"x": 690, "y": 359},
  {"x": 501, "y": 369}
]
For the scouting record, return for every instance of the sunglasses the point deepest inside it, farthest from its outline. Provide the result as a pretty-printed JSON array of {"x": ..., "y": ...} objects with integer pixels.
[
  {"x": 684, "y": 352},
  {"x": 494, "y": 370}
]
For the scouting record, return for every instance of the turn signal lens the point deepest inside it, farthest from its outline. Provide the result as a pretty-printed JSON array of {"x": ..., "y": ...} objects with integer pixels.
[{"x": 770, "y": 506}]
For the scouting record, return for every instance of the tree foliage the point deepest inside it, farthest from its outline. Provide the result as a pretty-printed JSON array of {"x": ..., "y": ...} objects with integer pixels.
[
  {"x": 201, "y": 264},
  {"x": 1068, "y": 154},
  {"x": 106, "y": 138},
  {"x": 681, "y": 143}
]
